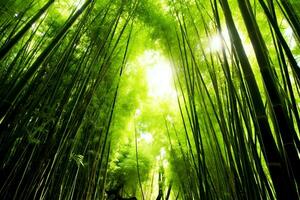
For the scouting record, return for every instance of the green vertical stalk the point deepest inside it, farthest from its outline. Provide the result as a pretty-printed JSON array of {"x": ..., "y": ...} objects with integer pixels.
[
  {"x": 9, "y": 44},
  {"x": 137, "y": 164},
  {"x": 272, "y": 155},
  {"x": 291, "y": 16},
  {"x": 283, "y": 122},
  {"x": 288, "y": 52},
  {"x": 6, "y": 103}
]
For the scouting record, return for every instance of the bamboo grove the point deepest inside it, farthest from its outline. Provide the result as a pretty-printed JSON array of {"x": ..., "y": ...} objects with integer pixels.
[{"x": 236, "y": 72}]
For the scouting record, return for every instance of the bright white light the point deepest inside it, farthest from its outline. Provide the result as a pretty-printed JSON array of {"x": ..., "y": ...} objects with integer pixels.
[
  {"x": 164, "y": 5},
  {"x": 65, "y": 7},
  {"x": 158, "y": 74},
  {"x": 34, "y": 26},
  {"x": 147, "y": 137},
  {"x": 289, "y": 33},
  {"x": 160, "y": 79},
  {"x": 138, "y": 112},
  {"x": 157, "y": 158},
  {"x": 79, "y": 3},
  {"x": 163, "y": 152},
  {"x": 216, "y": 41},
  {"x": 169, "y": 118}
]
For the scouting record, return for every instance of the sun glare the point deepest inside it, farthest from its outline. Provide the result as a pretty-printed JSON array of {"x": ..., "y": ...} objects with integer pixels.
[
  {"x": 158, "y": 74},
  {"x": 137, "y": 112},
  {"x": 79, "y": 3},
  {"x": 164, "y": 5},
  {"x": 147, "y": 137},
  {"x": 216, "y": 41},
  {"x": 160, "y": 79},
  {"x": 65, "y": 7},
  {"x": 289, "y": 33}
]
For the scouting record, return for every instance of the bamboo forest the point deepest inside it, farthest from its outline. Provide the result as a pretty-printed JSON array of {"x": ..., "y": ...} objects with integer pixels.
[{"x": 149, "y": 99}]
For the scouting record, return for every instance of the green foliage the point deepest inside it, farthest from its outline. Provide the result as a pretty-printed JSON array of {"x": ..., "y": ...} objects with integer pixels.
[{"x": 159, "y": 99}]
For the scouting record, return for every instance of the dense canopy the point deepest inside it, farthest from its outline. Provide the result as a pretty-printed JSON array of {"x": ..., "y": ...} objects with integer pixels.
[{"x": 149, "y": 99}]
